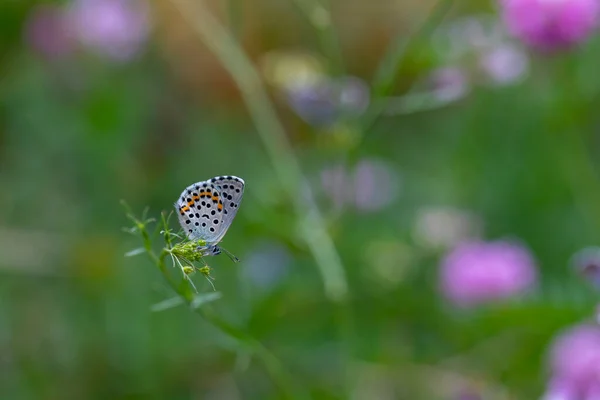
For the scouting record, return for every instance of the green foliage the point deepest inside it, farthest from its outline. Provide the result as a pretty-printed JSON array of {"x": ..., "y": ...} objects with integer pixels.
[{"x": 356, "y": 312}]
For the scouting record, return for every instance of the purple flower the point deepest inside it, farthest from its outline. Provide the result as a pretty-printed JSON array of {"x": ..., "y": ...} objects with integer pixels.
[
  {"x": 551, "y": 24},
  {"x": 560, "y": 389},
  {"x": 314, "y": 103},
  {"x": 477, "y": 272},
  {"x": 475, "y": 49},
  {"x": 462, "y": 36},
  {"x": 324, "y": 101},
  {"x": 47, "y": 31},
  {"x": 375, "y": 185},
  {"x": 575, "y": 364},
  {"x": 448, "y": 84},
  {"x": 352, "y": 94},
  {"x": 371, "y": 186},
  {"x": 116, "y": 29},
  {"x": 267, "y": 265},
  {"x": 587, "y": 263},
  {"x": 469, "y": 395},
  {"x": 504, "y": 64},
  {"x": 336, "y": 183},
  {"x": 592, "y": 392}
]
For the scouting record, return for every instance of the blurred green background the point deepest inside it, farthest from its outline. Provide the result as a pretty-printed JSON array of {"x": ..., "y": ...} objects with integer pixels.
[{"x": 83, "y": 126}]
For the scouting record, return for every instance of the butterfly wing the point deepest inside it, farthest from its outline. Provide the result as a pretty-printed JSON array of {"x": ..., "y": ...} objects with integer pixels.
[
  {"x": 200, "y": 211},
  {"x": 231, "y": 189}
]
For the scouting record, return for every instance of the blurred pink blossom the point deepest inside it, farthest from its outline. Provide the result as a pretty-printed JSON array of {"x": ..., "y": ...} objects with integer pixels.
[
  {"x": 370, "y": 186},
  {"x": 336, "y": 184},
  {"x": 353, "y": 95},
  {"x": 375, "y": 185},
  {"x": 504, "y": 64},
  {"x": 477, "y": 272},
  {"x": 325, "y": 101},
  {"x": 445, "y": 227},
  {"x": 267, "y": 264},
  {"x": 587, "y": 263},
  {"x": 551, "y": 24},
  {"x": 314, "y": 103},
  {"x": 560, "y": 389},
  {"x": 116, "y": 29},
  {"x": 47, "y": 31},
  {"x": 449, "y": 84},
  {"x": 462, "y": 36},
  {"x": 575, "y": 365}
]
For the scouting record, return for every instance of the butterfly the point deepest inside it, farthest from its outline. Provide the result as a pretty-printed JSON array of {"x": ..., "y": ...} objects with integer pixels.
[{"x": 206, "y": 209}]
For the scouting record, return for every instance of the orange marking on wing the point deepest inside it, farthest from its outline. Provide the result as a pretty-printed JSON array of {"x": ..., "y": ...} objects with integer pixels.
[
  {"x": 196, "y": 198},
  {"x": 191, "y": 203},
  {"x": 220, "y": 206},
  {"x": 185, "y": 208},
  {"x": 215, "y": 197}
]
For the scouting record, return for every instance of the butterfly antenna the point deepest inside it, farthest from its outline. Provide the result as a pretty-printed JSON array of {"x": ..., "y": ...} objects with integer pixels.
[{"x": 230, "y": 255}]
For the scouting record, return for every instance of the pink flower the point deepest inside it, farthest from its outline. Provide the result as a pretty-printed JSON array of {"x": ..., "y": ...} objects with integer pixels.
[
  {"x": 551, "y": 24},
  {"x": 477, "y": 272},
  {"x": 587, "y": 263},
  {"x": 116, "y": 29},
  {"x": 504, "y": 64},
  {"x": 560, "y": 389},
  {"x": 325, "y": 101},
  {"x": 575, "y": 365},
  {"x": 449, "y": 84},
  {"x": 371, "y": 186},
  {"x": 314, "y": 103},
  {"x": 375, "y": 185},
  {"x": 575, "y": 355},
  {"x": 47, "y": 31}
]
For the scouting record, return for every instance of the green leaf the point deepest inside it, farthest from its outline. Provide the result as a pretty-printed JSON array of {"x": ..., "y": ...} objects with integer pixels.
[
  {"x": 201, "y": 299},
  {"x": 135, "y": 252},
  {"x": 166, "y": 304}
]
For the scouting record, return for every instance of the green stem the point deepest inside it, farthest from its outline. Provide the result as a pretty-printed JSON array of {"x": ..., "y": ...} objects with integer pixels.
[
  {"x": 274, "y": 138},
  {"x": 568, "y": 120},
  {"x": 283, "y": 158},
  {"x": 236, "y": 13},
  {"x": 319, "y": 16},
  {"x": 583, "y": 179},
  {"x": 272, "y": 364},
  {"x": 385, "y": 77}
]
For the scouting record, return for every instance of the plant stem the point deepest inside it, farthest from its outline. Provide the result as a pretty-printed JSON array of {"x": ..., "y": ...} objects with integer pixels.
[
  {"x": 572, "y": 149},
  {"x": 235, "y": 10},
  {"x": 285, "y": 163},
  {"x": 274, "y": 138},
  {"x": 391, "y": 62},
  {"x": 319, "y": 16},
  {"x": 582, "y": 177},
  {"x": 271, "y": 363}
]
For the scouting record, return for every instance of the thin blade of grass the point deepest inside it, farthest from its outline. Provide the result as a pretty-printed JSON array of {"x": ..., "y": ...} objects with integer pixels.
[
  {"x": 167, "y": 304},
  {"x": 201, "y": 299},
  {"x": 135, "y": 252}
]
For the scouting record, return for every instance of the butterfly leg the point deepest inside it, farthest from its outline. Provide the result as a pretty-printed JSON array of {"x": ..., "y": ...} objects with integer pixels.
[
  {"x": 212, "y": 250},
  {"x": 230, "y": 255}
]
